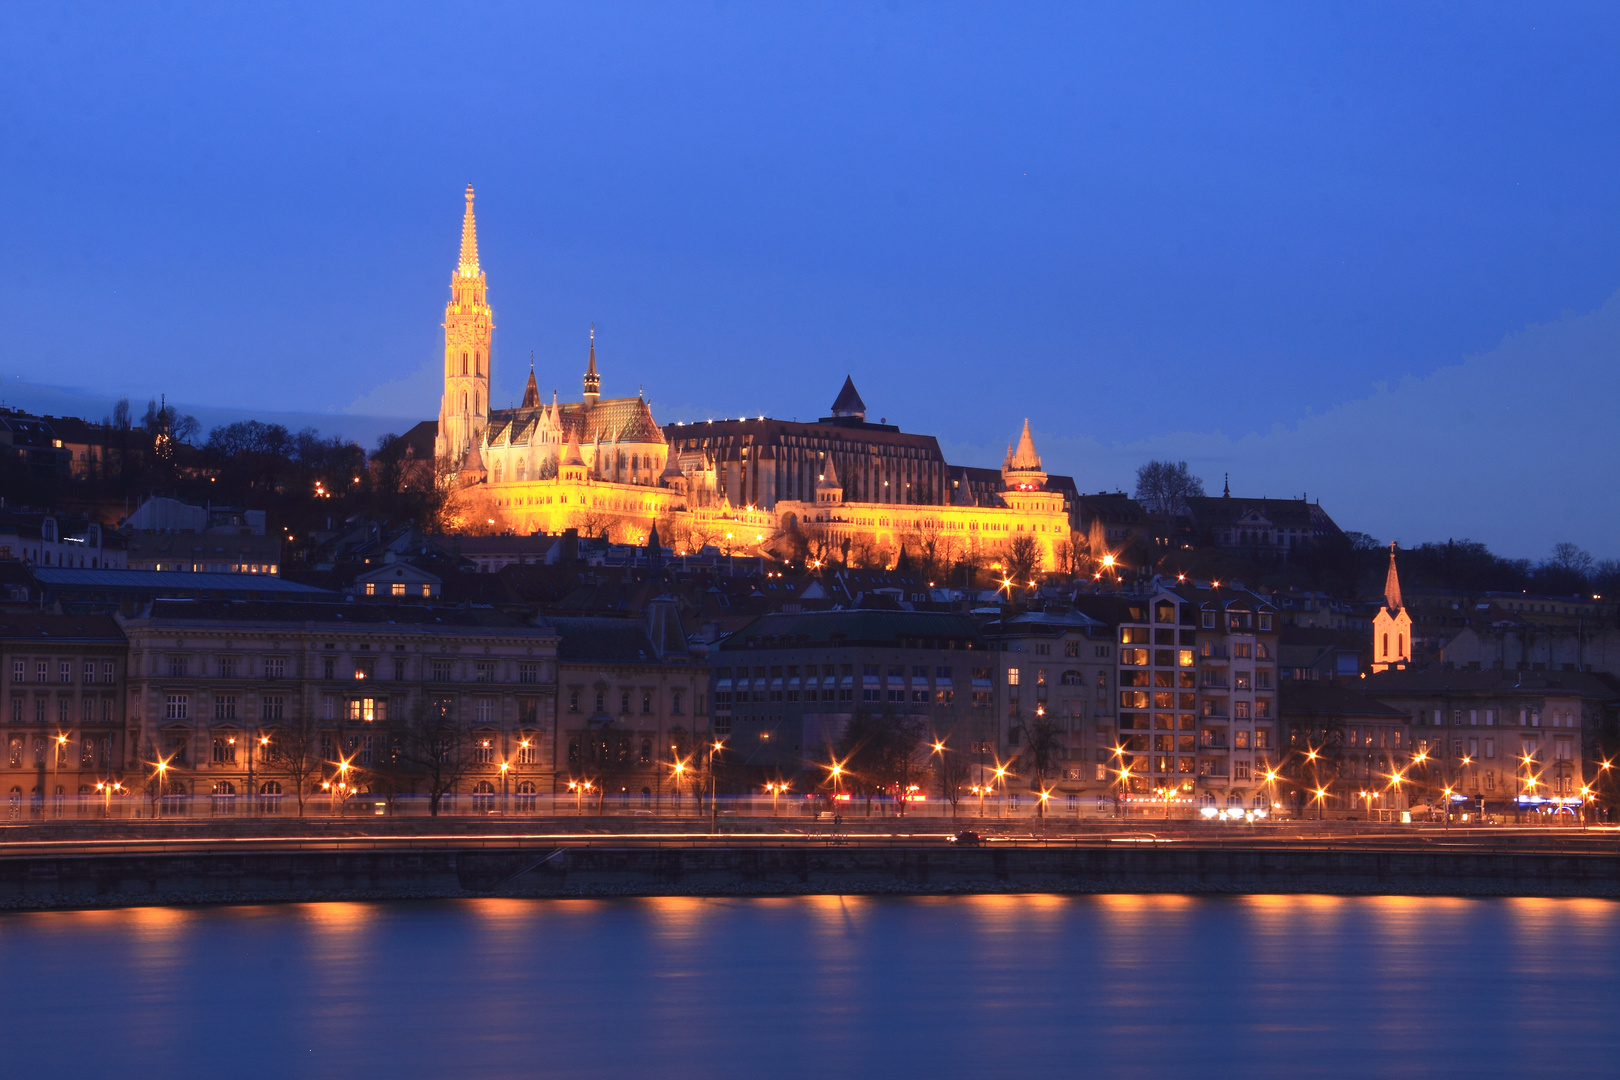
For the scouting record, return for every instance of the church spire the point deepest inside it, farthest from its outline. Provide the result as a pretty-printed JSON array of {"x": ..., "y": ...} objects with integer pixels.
[
  {"x": 593, "y": 381},
  {"x": 469, "y": 239},
  {"x": 531, "y": 392},
  {"x": 1392, "y": 583}
]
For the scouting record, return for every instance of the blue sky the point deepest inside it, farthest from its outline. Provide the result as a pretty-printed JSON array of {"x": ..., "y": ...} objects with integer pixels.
[{"x": 1310, "y": 245}]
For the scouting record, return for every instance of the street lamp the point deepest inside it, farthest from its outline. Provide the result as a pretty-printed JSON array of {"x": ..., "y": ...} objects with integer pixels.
[
  {"x": 1321, "y": 797},
  {"x": 714, "y": 791},
  {"x": 56, "y": 760},
  {"x": 504, "y": 767},
  {"x": 162, "y": 779},
  {"x": 679, "y": 769},
  {"x": 776, "y": 790}
]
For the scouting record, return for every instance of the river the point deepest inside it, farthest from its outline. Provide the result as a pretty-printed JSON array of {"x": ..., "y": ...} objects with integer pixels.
[{"x": 822, "y": 986}]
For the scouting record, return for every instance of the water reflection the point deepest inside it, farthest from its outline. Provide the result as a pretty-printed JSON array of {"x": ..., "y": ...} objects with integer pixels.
[{"x": 1112, "y": 985}]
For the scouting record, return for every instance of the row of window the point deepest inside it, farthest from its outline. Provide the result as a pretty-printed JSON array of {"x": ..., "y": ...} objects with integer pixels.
[
  {"x": 91, "y": 710},
  {"x": 1560, "y": 718},
  {"x": 361, "y": 668},
  {"x": 64, "y": 671},
  {"x": 90, "y": 751},
  {"x": 677, "y": 702},
  {"x": 1072, "y": 649}
]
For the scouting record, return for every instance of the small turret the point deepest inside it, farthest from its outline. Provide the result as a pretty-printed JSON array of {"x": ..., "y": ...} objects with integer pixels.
[
  {"x": 829, "y": 491},
  {"x": 1022, "y": 469}
]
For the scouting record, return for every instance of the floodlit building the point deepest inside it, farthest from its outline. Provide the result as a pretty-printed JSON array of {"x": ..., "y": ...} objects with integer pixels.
[{"x": 604, "y": 466}]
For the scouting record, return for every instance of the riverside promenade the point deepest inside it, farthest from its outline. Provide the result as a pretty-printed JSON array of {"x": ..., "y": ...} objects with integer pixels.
[{"x": 49, "y": 865}]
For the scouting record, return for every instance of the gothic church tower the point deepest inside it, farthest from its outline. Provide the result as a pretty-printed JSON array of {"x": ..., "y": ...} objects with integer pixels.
[{"x": 469, "y": 327}]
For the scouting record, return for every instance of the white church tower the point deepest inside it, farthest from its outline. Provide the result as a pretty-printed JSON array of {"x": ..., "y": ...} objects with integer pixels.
[{"x": 1392, "y": 626}]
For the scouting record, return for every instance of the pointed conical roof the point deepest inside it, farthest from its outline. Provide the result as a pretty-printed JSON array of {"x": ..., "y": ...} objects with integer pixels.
[
  {"x": 571, "y": 454},
  {"x": 1025, "y": 457},
  {"x": 469, "y": 238},
  {"x": 1392, "y": 583},
  {"x": 829, "y": 478},
  {"x": 593, "y": 381},
  {"x": 849, "y": 402},
  {"x": 531, "y": 392}
]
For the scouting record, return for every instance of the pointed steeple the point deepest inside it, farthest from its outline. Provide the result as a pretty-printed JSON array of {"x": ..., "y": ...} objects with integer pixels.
[
  {"x": 848, "y": 402},
  {"x": 1025, "y": 456},
  {"x": 1226, "y": 487},
  {"x": 1022, "y": 469},
  {"x": 1392, "y": 583},
  {"x": 469, "y": 239},
  {"x": 593, "y": 381},
  {"x": 531, "y": 392}
]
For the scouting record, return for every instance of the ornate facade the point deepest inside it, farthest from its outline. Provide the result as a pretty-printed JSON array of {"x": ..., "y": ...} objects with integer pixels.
[{"x": 604, "y": 465}]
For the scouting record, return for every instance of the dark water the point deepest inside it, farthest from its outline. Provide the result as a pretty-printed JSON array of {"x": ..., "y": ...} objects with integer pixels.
[{"x": 828, "y": 987}]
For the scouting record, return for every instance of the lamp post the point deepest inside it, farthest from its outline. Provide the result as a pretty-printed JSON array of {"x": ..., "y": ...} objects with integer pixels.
[
  {"x": 162, "y": 781},
  {"x": 504, "y": 767},
  {"x": 56, "y": 760},
  {"x": 1316, "y": 780},
  {"x": 714, "y": 791}
]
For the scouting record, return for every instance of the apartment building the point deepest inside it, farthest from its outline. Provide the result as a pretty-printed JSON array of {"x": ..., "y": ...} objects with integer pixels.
[
  {"x": 63, "y": 707},
  {"x": 226, "y": 692}
]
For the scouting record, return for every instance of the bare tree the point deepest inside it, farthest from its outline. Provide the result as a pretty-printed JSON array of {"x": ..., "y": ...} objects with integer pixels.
[
  {"x": 953, "y": 770},
  {"x": 882, "y": 752},
  {"x": 1074, "y": 554},
  {"x": 1163, "y": 487},
  {"x": 687, "y": 764},
  {"x": 594, "y": 524},
  {"x": 1022, "y": 558},
  {"x": 1042, "y": 745},
  {"x": 294, "y": 753},
  {"x": 430, "y": 744},
  {"x": 606, "y": 750}
]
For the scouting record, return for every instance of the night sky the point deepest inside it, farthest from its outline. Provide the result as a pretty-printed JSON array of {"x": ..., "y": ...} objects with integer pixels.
[{"x": 1367, "y": 253}]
